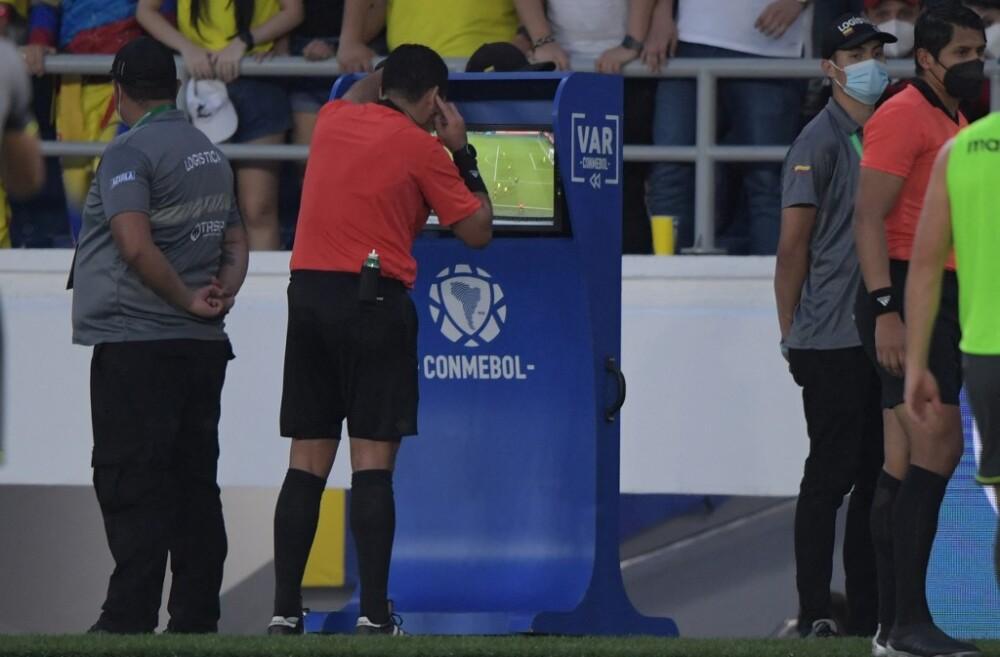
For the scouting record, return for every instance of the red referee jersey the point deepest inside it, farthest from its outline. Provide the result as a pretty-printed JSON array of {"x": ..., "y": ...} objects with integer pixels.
[{"x": 373, "y": 176}]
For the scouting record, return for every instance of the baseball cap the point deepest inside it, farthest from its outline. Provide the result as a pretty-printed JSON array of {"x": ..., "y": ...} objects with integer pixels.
[
  {"x": 850, "y": 31},
  {"x": 210, "y": 109},
  {"x": 872, "y": 4},
  {"x": 144, "y": 62},
  {"x": 503, "y": 57}
]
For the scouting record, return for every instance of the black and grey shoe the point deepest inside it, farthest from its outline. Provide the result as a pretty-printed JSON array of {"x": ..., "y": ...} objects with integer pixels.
[
  {"x": 927, "y": 640},
  {"x": 880, "y": 641},
  {"x": 285, "y": 625},
  {"x": 392, "y": 627},
  {"x": 823, "y": 628}
]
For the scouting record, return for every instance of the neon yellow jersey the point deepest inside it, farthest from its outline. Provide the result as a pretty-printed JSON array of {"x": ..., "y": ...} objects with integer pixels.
[
  {"x": 973, "y": 180},
  {"x": 217, "y": 26},
  {"x": 452, "y": 28}
]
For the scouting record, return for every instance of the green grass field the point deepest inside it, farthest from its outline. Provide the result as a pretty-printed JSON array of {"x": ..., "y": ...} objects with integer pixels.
[
  {"x": 517, "y": 169},
  {"x": 428, "y": 646}
]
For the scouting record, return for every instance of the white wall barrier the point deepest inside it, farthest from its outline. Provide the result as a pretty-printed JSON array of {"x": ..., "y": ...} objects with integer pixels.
[{"x": 711, "y": 407}]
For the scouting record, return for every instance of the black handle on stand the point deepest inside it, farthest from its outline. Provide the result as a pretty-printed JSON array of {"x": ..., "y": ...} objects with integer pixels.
[{"x": 611, "y": 365}]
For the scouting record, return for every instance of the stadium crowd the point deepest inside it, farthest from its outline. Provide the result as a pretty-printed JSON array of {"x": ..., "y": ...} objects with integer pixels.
[{"x": 211, "y": 37}]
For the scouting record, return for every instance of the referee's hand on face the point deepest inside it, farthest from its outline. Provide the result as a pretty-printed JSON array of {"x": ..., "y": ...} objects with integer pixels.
[{"x": 450, "y": 125}]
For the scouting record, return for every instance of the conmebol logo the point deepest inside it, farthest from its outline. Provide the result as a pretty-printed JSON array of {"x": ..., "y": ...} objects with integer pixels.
[{"x": 467, "y": 306}]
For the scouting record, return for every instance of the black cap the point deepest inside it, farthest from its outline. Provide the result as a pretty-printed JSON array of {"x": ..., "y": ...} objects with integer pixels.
[
  {"x": 503, "y": 57},
  {"x": 850, "y": 31},
  {"x": 144, "y": 62}
]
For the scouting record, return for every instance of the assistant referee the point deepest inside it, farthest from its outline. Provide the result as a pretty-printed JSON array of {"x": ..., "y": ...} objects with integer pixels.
[
  {"x": 960, "y": 211},
  {"x": 373, "y": 174}
]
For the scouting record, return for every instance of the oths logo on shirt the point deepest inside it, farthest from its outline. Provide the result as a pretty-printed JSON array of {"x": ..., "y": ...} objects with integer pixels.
[{"x": 467, "y": 305}]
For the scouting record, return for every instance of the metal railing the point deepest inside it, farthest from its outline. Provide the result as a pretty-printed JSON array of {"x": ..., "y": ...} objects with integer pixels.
[{"x": 704, "y": 153}]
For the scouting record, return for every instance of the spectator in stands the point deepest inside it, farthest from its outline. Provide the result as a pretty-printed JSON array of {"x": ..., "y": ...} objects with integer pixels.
[
  {"x": 452, "y": 28},
  {"x": 897, "y": 17},
  {"x": 22, "y": 170},
  {"x": 752, "y": 112},
  {"x": 12, "y": 12},
  {"x": 213, "y": 37},
  {"x": 607, "y": 34},
  {"x": 316, "y": 39},
  {"x": 989, "y": 11},
  {"x": 816, "y": 279},
  {"x": 84, "y": 108}
]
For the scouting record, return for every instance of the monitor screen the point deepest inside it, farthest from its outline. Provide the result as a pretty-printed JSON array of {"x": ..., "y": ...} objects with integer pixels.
[{"x": 518, "y": 167}]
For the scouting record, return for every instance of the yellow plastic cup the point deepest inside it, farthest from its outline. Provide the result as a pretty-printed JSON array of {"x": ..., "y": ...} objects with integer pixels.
[{"x": 664, "y": 233}]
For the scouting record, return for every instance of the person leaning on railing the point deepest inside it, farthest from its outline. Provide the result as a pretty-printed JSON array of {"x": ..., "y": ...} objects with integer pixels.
[{"x": 205, "y": 38}]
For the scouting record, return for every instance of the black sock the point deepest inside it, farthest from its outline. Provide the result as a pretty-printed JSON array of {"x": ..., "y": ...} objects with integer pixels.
[
  {"x": 881, "y": 522},
  {"x": 295, "y": 518},
  {"x": 915, "y": 520},
  {"x": 373, "y": 523}
]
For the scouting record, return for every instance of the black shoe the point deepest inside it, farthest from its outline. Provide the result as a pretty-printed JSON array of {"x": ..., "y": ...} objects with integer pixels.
[
  {"x": 880, "y": 647},
  {"x": 285, "y": 625},
  {"x": 927, "y": 640},
  {"x": 392, "y": 627},
  {"x": 823, "y": 628}
]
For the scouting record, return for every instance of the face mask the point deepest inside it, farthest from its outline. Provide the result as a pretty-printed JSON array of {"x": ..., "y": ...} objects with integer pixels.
[
  {"x": 903, "y": 31},
  {"x": 965, "y": 80},
  {"x": 993, "y": 41},
  {"x": 866, "y": 81}
]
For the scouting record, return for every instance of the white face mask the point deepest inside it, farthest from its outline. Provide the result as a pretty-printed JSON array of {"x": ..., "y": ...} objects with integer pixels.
[
  {"x": 993, "y": 41},
  {"x": 903, "y": 31}
]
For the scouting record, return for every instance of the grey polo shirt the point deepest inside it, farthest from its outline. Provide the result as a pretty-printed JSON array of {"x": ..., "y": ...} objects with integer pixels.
[
  {"x": 821, "y": 170},
  {"x": 168, "y": 170}
]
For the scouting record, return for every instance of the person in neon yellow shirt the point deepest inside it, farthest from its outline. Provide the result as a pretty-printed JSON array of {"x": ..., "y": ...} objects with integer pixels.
[
  {"x": 213, "y": 36},
  {"x": 960, "y": 212},
  {"x": 452, "y": 28}
]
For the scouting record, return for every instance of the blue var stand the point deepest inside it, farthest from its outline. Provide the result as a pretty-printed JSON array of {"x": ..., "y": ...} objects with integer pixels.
[{"x": 507, "y": 502}]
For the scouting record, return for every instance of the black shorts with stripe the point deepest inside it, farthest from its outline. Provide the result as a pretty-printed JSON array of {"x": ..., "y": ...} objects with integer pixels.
[{"x": 349, "y": 360}]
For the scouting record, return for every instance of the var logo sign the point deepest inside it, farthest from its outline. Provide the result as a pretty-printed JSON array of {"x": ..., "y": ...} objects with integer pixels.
[{"x": 596, "y": 149}]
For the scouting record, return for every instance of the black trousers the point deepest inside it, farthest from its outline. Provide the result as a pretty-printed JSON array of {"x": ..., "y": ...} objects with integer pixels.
[
  {"x": 155, "y": 408},
  {"x": 841, "y": 397}
]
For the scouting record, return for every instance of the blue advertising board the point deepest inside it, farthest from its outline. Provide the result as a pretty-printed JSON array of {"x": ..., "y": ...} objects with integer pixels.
[{"x": 507, "y": 501}]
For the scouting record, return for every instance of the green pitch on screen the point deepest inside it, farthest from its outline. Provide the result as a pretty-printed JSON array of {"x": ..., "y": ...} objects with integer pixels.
[{"x": 517, "y": 168}]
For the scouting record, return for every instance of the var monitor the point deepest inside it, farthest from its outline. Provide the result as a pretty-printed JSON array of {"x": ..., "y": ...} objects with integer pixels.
[{"x": 518, "y": 166}]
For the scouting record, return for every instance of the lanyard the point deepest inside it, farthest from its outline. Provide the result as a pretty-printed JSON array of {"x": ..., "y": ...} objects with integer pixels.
[
  {"x": 857, "y": 143},
  {"x": 148, "y": 116}
]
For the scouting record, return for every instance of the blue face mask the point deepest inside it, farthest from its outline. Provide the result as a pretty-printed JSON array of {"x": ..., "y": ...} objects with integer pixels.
[{"x": 866, "y": 81}]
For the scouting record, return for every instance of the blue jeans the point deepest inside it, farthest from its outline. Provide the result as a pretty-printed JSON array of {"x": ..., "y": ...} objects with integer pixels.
[{"x": 751, "y": 112}]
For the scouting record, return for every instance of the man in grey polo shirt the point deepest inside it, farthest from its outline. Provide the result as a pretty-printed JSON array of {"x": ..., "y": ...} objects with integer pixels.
[
  {"x": 162, "y": 253},
  {"x": 816, "y": 281}
]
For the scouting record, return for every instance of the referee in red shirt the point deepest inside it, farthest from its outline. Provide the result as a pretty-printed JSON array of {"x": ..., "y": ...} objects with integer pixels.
[{"x": 373, "y": 175}]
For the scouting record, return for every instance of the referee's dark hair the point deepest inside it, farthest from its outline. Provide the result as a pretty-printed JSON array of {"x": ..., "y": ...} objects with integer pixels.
[
  {"x": 411, "y": 70},
  {"x": 936, "y": 27}
]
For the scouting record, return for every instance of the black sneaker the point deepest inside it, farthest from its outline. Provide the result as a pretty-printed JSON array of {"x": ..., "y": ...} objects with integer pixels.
[
  {"x": 824, "y": 628},
  {"x": 880, "y": 641},
  {"x": 927, "y": 640},
  {"x": 285, "y": 625},
  {"x": 389, "y": 628}
]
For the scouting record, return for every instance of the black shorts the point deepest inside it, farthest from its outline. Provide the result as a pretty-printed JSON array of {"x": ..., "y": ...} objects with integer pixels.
[
  {"x": 348, "y": 359},
  {"x": 983, "y": 376},
  {"x": 944, "y": 359}
]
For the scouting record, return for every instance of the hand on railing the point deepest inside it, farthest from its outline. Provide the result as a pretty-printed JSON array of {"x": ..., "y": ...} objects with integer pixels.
[
  {"x": 551, "y": 52},
  {"x": 355, "y": 57},
  {"x": 661, "y": 43},
  {"x": 612, "y": 60},
  {"x": 778, "y": 16},
  {"x": 318, "y": 50},
  {"x": 34, "y": 58},
  {"x": 198, "y": 62},
  {"x": 227, "y": 60}
]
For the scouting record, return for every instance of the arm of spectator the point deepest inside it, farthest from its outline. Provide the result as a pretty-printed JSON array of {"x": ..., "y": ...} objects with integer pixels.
[
  {"x": 133, "y": 237},
  {"x": 22, "y": 167},
  {"x": 233, "y": 263},
  {"x": 374, "y": 19},
  {"x": 778, "y": 16},
  {"x": 43, "y": 28},
  {"x": 931, "y": 247},
  {"x": 637, "y": 27},
  {"x": 318, "y": 50},
  {"x": 532, "y": 15},
  {"x": 353, "y": 55},
  {"x": 227, "y": 61},
  {"x": 365, "y": 90},
  {"x": 792, "y": 263},
  {"x": 197, "y": 60},
  {"x": 661, "y": 42}
]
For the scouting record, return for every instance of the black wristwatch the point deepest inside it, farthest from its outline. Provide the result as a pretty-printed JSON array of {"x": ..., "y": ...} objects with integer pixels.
[
  {"x": 629, "y": 43},
  {"x": 247, "y": 37},
  {"x": 465, "y": 151}
]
